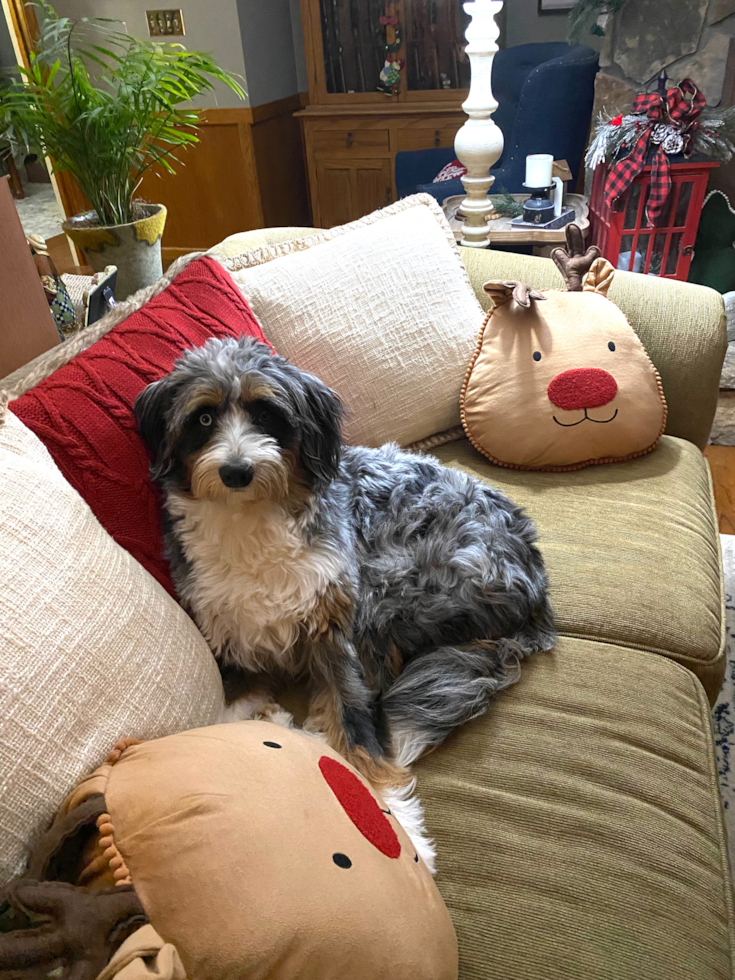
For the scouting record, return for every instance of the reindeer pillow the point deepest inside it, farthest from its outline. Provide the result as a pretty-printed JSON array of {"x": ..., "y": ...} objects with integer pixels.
[{"x": 560, "y": 380}]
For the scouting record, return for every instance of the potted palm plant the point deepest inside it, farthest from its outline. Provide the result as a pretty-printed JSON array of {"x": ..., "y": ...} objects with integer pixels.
[{"x": 107, "y": 107}]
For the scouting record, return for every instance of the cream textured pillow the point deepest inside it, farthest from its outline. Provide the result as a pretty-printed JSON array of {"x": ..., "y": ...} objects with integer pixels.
[
  {"x": 91, "y": 647},
  {"x": 382, "y": 310}
]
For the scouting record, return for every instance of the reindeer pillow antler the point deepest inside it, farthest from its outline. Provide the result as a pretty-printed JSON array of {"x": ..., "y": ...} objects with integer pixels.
[
  {"x": 562, "y": 383},
  {"x": 575, "y": 262}
]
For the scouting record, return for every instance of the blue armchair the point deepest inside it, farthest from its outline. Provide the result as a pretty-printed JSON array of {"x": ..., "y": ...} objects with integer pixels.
[{"x": 545, "y": 94}]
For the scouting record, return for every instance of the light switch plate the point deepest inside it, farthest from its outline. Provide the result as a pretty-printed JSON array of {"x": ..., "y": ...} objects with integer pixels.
[{"x": 165, "y": 23}]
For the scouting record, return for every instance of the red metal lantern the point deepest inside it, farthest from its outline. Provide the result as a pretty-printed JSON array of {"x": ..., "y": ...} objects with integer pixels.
[{"x": 626, "y": 238}]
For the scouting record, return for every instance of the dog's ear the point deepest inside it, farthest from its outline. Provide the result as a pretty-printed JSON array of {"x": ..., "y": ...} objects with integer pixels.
[
  {"x": 151, "y": 409},
  {"x": 321, "y": 432}
]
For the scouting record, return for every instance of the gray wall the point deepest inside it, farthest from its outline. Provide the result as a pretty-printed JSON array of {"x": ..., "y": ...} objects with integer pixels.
[
  {"x": 268, "y": 49},
  {"x": 525, "y": 25},
  {"x": 298, "y": 47},
  {"x": 211, "y": 25}
]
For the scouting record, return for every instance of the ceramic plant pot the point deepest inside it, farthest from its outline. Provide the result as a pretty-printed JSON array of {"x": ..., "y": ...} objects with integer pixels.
[{"x": 135, "y": 248}]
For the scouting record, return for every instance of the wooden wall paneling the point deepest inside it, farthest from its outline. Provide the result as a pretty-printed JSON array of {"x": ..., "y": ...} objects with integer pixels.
[
  {"x": 27, "y": 327},
  {"x": 215, "y": 191},
  {"x": 280, "y": 164}
]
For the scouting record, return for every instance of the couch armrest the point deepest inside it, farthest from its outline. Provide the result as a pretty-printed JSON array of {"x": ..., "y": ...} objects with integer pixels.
[{"x": 682, "y": 327}]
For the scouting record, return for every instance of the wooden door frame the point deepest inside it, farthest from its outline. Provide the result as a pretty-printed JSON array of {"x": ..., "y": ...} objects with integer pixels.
[
  {"x": 22, "y": 27},
  {"x": 23, "y": 30}
]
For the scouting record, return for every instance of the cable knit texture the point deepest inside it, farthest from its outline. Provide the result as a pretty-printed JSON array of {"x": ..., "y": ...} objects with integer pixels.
[{"x": 83, "y": 412}]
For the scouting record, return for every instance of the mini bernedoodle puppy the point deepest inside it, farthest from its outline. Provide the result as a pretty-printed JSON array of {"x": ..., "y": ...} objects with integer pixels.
[{"x": 405, "y": 592}]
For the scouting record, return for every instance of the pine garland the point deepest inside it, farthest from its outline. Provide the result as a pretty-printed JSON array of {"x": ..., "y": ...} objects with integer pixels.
[
  {"x": 584, "y": 15},
  {"x": 505, "y": 205},
  {"x": 715, "y": 136}
]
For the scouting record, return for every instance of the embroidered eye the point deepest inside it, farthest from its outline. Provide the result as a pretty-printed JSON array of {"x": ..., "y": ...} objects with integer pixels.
[
  {"x": 611, "y": 345},
  {"x": 537, "y": 355},
  {"x": 205, "y": 419}
]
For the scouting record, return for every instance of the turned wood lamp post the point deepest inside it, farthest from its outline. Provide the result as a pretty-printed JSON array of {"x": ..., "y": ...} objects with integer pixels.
[{"x": 479, "y": 142}]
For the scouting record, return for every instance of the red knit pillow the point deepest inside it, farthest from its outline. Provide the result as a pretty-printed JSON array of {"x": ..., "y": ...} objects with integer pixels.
[{"x": 83, "y": 412}]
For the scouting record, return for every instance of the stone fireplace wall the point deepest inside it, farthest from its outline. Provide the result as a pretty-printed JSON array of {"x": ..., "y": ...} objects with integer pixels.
[{"x": 687, "y": 38}]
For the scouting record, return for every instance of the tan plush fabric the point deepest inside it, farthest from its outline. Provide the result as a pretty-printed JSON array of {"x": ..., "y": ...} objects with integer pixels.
[
  {"x": 91, "y": 647},
  {"x": 380, "y": 309},
  {"x": 508, "y": 398},
  {"x": 632, "y": 549},
  {"x": 579, "y": 825},
  {"x": 144, "y": 956},
  {"x": 682, "y": 326},
  {"x": 230, "y": 833}
]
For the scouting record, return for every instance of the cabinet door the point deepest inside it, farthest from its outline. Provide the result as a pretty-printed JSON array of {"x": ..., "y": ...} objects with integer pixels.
[
  {"x": 348, "y": 190},
  {"x": 372, "y": 187},
  {"x": 334, "y": 194}
]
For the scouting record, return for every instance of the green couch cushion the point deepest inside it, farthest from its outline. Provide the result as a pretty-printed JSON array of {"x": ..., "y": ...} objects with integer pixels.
[
  {"x": 579, "y": 825},
  {"x": 632, "y": 549}
]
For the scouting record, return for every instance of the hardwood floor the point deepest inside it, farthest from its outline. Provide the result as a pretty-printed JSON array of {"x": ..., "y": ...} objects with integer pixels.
[{"x": 722, "y": 463}]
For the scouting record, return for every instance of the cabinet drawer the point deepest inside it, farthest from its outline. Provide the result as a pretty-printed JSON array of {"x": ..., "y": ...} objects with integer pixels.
[
  {"x": 427, "y": 137},
  {"x": 360, "y": 142}
]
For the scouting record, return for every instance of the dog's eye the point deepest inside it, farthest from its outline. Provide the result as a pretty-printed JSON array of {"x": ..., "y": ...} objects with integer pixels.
[
  {"x": 263, "y": 415},
  {"x": 205, "y": 419}
]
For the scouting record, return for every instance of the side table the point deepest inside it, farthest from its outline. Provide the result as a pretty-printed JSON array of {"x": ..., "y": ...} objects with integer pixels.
[{"x": 502, "y": 231}]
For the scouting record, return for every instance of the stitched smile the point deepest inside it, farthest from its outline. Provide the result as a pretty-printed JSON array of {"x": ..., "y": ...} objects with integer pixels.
[{"x": 568, "y": 425}]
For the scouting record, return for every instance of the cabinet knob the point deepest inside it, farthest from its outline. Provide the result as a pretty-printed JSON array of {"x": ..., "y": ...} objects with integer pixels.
[
  {"x": 388, "y": 195},
  {"x": 349, "y": 141},
  {"x": 437, "y": 137},
  {"x": 687, "y": 250}
]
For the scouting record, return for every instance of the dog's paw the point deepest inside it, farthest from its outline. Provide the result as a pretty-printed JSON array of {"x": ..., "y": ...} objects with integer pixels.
[
  {"x": 256, "y": 707},
  {"x": 275, "y": 714}
]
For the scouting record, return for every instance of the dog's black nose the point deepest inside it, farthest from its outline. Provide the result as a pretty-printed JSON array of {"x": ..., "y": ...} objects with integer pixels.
[{"x": 236, "y": 475}]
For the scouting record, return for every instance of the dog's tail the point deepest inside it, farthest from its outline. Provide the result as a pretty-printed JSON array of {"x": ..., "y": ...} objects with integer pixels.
[{"x": 440, "y": 690}]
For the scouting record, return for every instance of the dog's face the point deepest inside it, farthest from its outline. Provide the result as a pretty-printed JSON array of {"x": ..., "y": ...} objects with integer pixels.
[{"x": 233, "y": 423}]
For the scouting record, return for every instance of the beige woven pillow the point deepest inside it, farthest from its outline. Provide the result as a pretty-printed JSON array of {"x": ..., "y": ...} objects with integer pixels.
[
  {"x": 381, "y": 309},
  {"x": 91, "y": 647}
]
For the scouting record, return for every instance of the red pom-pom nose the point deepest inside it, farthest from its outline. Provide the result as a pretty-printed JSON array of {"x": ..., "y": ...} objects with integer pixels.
[
  {"x": 360, "y": 806},
  {"x": 582, "y": 388}
]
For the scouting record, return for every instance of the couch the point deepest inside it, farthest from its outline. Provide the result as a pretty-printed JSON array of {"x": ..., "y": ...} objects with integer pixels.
[
  {"x": 545, "y": 94},
  {"x": 579, "y": 823}
]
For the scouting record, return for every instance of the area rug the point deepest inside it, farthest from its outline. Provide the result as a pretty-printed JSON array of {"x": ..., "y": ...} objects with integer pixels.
[{"x": 723, "y": 714}]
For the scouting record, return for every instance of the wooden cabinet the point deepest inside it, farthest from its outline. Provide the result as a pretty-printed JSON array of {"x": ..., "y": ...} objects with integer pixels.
[
  {"x": 352, "y": 131},
  {"x": 351, "y": 155},
  {"x": 349, "y": 188}
]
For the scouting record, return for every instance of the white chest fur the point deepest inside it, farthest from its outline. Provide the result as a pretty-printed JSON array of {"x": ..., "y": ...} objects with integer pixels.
[{"x": 254, "y": 578}]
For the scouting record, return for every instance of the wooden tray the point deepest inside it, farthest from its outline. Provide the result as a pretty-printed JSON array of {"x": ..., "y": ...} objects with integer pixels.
[{"x": 501, "y": 229}]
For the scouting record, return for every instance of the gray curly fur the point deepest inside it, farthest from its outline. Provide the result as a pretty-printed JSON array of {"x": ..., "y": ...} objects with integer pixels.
[{"x": 442, "y": 569}]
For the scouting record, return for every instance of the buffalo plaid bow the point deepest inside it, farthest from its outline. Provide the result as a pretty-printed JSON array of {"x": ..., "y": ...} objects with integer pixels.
[{"x": 675, "y": 109}]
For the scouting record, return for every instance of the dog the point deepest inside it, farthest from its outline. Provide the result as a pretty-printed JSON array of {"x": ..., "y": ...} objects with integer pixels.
[{"x": 405, "y": 592}]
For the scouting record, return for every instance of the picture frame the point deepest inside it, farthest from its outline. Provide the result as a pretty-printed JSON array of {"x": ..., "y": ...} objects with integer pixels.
[{"x": 555, "y": 6}]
